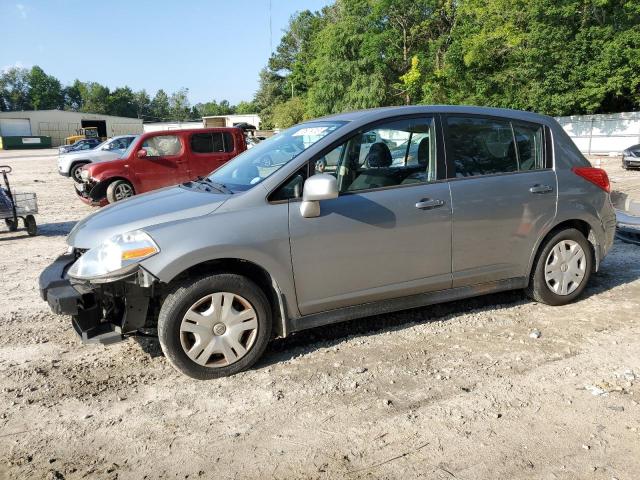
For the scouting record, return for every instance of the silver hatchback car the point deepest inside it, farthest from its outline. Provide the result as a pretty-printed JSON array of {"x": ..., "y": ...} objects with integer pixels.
[{"x": 369, "y": 212}]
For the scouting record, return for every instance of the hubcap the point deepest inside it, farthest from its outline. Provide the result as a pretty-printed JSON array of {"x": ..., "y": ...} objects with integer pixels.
[
  {"x": 219, "y": 329},
  {"x": 122, "y": 191},
  {"x": 565, "y": 267}
]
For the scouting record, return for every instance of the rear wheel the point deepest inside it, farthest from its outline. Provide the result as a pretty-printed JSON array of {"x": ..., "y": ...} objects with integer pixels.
[
  {"x": 214, "y": 326},
  {"x": 562, "y": 268},
  {"x": 119, "y": 190},
  {"x": 75, "y": 170},
  {"x": 32, "y": 226}
]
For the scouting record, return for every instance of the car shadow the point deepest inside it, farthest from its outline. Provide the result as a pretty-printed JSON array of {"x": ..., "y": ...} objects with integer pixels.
[{"x": 55, "y": 229}]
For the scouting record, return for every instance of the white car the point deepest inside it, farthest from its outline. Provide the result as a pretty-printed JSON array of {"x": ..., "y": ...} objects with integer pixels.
[{"x": 69, "y": 164}]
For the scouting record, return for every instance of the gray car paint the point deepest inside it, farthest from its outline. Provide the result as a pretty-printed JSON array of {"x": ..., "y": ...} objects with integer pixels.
[{"x": 247, "y": 227}]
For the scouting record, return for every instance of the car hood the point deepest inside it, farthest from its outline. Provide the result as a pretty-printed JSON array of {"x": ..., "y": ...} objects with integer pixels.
[{"x": 161, "y": 206}]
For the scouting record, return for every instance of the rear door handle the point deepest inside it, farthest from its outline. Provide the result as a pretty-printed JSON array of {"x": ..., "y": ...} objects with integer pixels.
[
  {"x": 541, "y": 189},
  {"x": 428, "y": 204}
]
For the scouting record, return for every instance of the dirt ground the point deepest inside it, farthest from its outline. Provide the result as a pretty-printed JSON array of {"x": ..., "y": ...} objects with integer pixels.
[{"x": 455, "y": 391}]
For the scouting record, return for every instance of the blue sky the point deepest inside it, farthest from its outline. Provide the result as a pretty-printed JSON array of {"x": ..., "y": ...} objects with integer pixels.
[{"x": 215, "y": 48}]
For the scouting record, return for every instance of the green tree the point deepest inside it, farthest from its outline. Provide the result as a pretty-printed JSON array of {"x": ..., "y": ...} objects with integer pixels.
[
  {"x": 95, "y": 98},
  {"x": 243, "y": 108},
  {"x": 73, "y": 96},
  {"x": 45, "y": 91},
  {"x": 14, "y": 88},
  {"x": 142, "y": 103},
  {"x": 288, "y": 113},
  {"x": 179, "y": 106},
  {"x": 122, "y": 103},
  {"x": 160, "y": 107}
]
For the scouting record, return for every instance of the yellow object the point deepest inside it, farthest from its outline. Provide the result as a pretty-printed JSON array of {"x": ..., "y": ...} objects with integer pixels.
[
  {"x": 81, "y": 134},
  {"x": 138, "y": 252}
]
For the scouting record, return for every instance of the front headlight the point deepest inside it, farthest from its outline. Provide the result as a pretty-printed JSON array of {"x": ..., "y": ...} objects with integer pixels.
[
  {"x": 84, "y": 174},
  {"x": 114, "y": 257}
]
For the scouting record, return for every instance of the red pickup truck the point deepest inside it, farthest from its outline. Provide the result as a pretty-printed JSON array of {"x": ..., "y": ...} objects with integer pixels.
[{"x": 159, "y": 159}]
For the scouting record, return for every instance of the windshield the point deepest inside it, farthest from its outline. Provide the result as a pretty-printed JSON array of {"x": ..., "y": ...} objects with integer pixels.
[{"x": 265, "y": 158}]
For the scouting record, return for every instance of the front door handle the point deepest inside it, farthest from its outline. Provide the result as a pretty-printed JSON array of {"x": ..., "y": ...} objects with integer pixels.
[
  {"x": 428, "y": 204},
  {"x": 541, "y": 189}
]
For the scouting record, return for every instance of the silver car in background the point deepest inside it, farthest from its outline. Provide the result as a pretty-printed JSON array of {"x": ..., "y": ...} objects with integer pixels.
[
  {"x": 70, "y": 163},
  {"x": 482, "y": 200}
]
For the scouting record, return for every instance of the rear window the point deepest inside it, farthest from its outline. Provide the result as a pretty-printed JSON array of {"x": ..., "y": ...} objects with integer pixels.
[{"x": 212, "y": 142}]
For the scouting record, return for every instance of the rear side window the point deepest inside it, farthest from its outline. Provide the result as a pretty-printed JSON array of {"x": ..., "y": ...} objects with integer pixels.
[
  {"x": 529, "y": 141},
  {"x": 487, "y": 146},
  {"x": 215, "y": 142},
  {"x": 162, "y": 145}
]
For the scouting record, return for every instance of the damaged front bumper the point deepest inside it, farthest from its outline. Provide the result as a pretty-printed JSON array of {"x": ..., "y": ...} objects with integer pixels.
[
  {"x": 100, "y": 313},
  {"x": 92, "y": 193}
]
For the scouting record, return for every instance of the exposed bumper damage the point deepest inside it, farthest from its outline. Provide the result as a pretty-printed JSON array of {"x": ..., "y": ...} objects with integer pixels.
[
  {"x": 100, "y": 313},
  {"x": 92, "y": 192}
]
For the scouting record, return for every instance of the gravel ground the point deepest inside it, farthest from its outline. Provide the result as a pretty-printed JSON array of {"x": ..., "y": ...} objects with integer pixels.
[{"x": 457, "y": 391}]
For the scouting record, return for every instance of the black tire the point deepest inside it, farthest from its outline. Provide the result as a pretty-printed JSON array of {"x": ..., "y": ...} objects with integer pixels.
[
  {"x": 74, "y": 171},
  {"x": 11, "y": 225},
  {"x": 32, "y": 226},
  {"x": 538, "y": 289},
  {"x": 117, "y": 186},
  {"x": 184, "y": 295}
]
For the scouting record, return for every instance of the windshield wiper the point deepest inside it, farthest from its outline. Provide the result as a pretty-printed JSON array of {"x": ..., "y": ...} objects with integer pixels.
[{"x": 221, "y": 187}]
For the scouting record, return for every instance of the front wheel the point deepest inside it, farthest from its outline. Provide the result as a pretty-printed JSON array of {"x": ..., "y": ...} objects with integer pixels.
[
  {"x": 75, "y": 171},
  {"x": 214, "y": 326},
  {"x": 119, "y": 190},
  {"x": 562, "y": 268}
]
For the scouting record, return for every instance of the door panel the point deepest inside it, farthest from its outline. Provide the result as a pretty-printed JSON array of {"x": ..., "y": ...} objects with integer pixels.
[
  {"x": 496, "y": 223},
  {"x": 371, "y": 246},
  {"x": 164, "y": 164}
]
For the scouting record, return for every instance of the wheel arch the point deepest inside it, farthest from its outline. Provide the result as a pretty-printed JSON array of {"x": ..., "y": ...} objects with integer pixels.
[
  {"x": 578, "y": 224},
  {"x": 100, "y": 190},
  {"x": 253, "y": 272}
]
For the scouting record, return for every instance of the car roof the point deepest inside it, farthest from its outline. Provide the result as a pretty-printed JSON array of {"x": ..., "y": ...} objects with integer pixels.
[
  {"x": 192, "y": 130},
  {"x": 373, "y": 114}
]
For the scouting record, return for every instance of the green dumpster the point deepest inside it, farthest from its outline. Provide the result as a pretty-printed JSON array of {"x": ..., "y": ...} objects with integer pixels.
[{"x": 11, "y": 143}]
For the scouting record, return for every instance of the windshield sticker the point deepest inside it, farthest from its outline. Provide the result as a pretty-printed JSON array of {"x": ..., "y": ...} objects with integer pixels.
[{"x": 310, "y": 131}]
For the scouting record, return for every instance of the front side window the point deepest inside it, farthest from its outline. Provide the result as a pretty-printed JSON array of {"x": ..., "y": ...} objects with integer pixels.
[
  {"x": 402, "y": 152},
  {"x": 264, "y": 159},
  {"x": 162, "y": 146},
  {"x": 487, "y": 146}
]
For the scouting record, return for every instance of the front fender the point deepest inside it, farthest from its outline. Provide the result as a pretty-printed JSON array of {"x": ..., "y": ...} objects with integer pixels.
[{"x": 259, "y": 235}]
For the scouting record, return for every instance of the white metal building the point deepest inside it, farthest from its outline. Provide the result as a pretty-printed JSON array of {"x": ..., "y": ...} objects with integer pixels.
[
  {"x": 157, "y": 126},
  {"x": 59, "y": 124},
  {"x": 603, "y": 134},
  {"x": 229, "y": 120}
]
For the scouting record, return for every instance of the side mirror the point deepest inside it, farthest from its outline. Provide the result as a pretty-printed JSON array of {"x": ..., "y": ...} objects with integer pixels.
[
  {"x": 318, "y": 187},
  {"x": 142, "y": 153}
]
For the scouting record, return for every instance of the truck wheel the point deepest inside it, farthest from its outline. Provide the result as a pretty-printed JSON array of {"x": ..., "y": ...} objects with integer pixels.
[
  {"x": 74, "y": 172},
  {"x": 214, "y": 326},
  {"x": 32, "y": 226},
  {"x": 119, "y": 190},
  {"x": 562, "y": 268}
]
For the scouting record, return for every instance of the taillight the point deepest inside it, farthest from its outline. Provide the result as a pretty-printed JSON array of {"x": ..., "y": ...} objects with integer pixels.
[{"x": 597, "y": 176}]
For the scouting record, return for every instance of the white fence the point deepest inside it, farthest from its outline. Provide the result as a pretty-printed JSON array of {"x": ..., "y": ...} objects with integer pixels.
[{"x": 603, "y": 134}]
